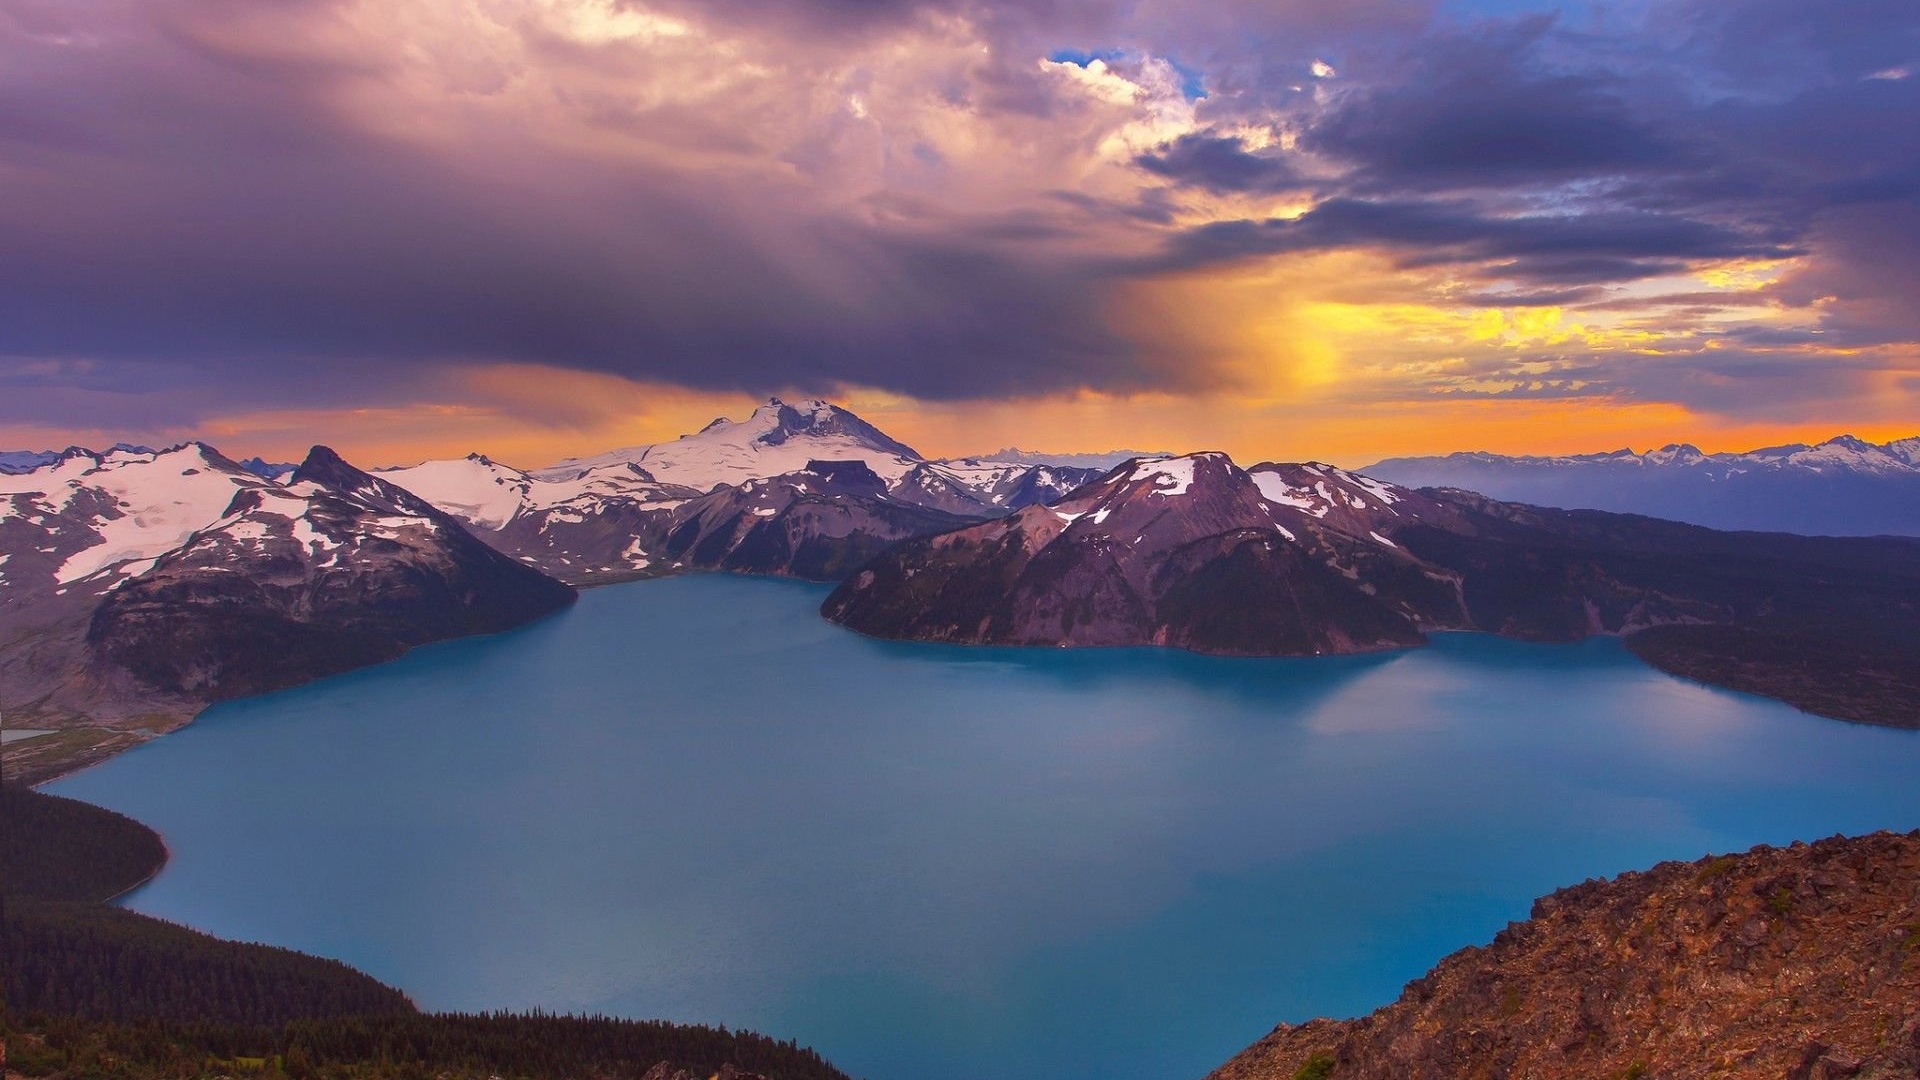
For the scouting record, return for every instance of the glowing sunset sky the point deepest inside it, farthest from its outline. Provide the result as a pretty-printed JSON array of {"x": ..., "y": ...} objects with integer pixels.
[{"x": 1281, "y": 228}]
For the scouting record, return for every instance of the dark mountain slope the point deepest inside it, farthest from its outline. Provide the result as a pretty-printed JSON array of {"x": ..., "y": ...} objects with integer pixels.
[
  {"x": 1180, "y": 551},
  {"x": 819, "y": 523},
  {"x": 1827, "y": 624},
  {"x": 334, "y": 571},
  {"x": 1563, "y": 574},
  {"x": 1297, "y": 559}
]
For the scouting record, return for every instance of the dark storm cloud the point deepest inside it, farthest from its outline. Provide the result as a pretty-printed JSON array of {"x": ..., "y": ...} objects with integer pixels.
[
  {"x": 648, "y": 284},
  {"x": 1222, "y": 163},
  {"x": 1772, "y": 47},
  {"x": 203, "y": 213},
  {"x": 1533, "y": 297},
  {"x": 208, "y": 201},
  {"x": 1484, "y": 109},
  {"x": 1557, "y": 249}
]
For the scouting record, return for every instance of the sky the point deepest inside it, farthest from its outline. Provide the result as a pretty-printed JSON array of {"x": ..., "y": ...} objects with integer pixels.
[{"x": 1282, "y": 228}]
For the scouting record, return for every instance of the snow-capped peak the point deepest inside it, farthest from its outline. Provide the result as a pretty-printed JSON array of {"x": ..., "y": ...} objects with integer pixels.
[
  {"x": 1675, "y": 454},
  {"x": 1151, "y": 483},
  {"x": 777, "y": 438}
]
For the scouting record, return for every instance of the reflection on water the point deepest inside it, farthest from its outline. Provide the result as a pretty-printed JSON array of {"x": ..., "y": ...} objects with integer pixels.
[{"x": 694, "y": 799}]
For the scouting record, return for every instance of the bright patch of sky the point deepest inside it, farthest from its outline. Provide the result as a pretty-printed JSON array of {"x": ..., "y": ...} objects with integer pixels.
[{"x": 1192, "y": 79}]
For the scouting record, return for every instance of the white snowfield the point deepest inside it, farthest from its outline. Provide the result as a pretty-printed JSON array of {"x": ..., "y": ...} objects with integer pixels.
[
  {"x": 284, "y": 512},
  {"x": 471, "y": 488},
  {"x": 1170, "y": 476},
  {"x": 1276, "y": 490},
  {"x": 1151, "y": 478},
  {"x": 120, "y": 512},
  {"x": 994, "y": 481},
  {"x": 157, "y": 501},
  {"x": 1332, "y": 488},
  {"x": 489, "y": 495},
  {"x": 1324, "y": 489}
]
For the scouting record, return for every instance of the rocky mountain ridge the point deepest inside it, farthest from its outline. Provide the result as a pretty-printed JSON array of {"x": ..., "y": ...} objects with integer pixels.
[
  {"x": 98, "y": 550},
  {"x": 1186, "y": 551},
  {"x": 335, "y": 570},
  {"x": 1796, "y": 963},
  {"x": 136, "y": 585},
  {"x": 1303, "y": 559},
  {"x": 609, "y": 517},
  {"x": 141, "y": 585}
]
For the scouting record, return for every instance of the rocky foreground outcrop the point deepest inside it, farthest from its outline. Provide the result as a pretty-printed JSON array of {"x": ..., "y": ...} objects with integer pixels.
[{"x": 1798, "y": 963}]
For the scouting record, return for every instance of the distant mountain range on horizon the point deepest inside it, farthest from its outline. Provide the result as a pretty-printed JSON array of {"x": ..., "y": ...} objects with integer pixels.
[
  {"x": 1841, "y": 487},
  {"x": 1844, "y": 486}
]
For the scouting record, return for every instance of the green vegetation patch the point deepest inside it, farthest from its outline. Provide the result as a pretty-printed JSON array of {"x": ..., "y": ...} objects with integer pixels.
[
  {"x": 1316, "y": 1067},
  {"x": 410, "y": 1047},
  {"x": 104, "y": 964},
  {"x": 61, "y": 849},
  {"x": 94, "y": 992}
]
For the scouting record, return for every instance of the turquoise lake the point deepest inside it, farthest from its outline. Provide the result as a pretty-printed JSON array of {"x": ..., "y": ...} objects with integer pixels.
[{"x": 694, "y": 799}]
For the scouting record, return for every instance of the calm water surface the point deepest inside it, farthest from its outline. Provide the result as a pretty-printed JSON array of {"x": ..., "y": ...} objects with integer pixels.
[{"x": 694, "y": 799}]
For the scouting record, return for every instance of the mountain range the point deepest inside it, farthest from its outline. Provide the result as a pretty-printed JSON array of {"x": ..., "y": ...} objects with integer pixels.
[
  {"x": 1842, "y": 487},
  {"x": 136, "y": 585},
  {"x": 1292, "y": 559},
  {"x": 807, "y": 489}
]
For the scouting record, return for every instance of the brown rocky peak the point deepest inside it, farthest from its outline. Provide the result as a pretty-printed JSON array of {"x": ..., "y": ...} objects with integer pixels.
[{"x": 1800, "y": 963}]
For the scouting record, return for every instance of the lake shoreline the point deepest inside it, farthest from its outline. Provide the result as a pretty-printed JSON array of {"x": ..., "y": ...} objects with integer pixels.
[
  {"x": 114, "y": 741},
  {"x": 1067, "y": 778}
]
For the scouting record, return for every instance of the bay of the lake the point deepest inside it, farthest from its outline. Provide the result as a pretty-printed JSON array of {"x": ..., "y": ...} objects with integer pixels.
[{"x": 694, "y": 799}]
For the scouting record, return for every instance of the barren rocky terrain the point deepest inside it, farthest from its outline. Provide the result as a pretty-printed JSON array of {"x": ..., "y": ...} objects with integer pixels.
[{"x": 1800, "y": 963}]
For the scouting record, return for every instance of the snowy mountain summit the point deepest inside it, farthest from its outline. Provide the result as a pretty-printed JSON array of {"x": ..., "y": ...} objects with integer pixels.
[
  {"x": 638, "y": 511},
  {"x": 777, "y": 438}
]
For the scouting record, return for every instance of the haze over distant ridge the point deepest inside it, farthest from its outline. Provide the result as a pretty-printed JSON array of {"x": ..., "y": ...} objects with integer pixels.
[{"x": 1841, "y": 487}]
